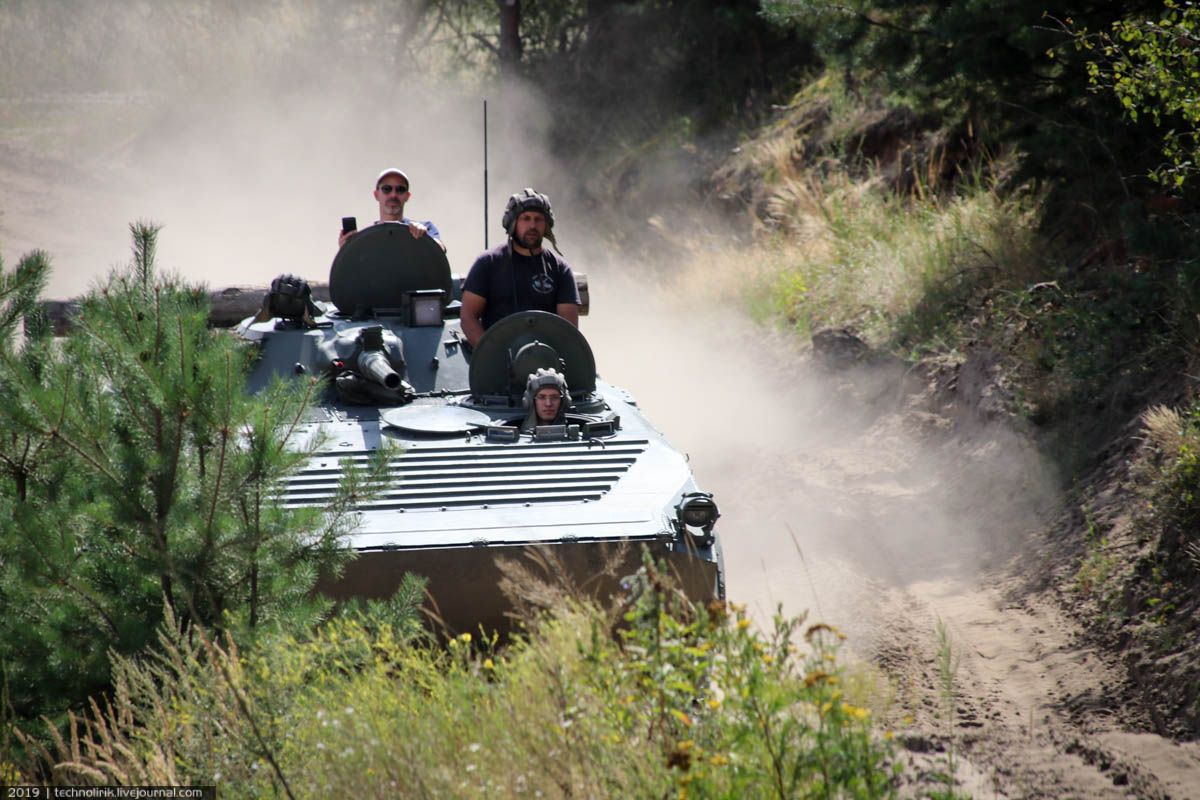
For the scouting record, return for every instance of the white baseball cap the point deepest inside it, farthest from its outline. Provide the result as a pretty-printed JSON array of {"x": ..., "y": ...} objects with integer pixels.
[{"x": 390, "y": 171}]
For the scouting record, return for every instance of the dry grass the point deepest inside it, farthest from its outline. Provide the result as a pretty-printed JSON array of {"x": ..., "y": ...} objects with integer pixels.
[
  {"x": 1164, "y": 430},
  {"x": 844, "y": 252}
]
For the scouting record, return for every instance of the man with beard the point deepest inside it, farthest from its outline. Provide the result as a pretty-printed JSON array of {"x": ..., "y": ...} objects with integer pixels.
[
  {"x": 519, "y": 275},
  {"x": 391, "y": 191}
]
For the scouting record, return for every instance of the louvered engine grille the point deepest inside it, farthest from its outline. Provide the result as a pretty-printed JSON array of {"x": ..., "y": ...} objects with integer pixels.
[{"x": 476, "y": 476}]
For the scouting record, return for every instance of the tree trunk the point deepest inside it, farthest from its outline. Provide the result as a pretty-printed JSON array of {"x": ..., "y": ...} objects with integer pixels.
[{"x": 510, "y": 36}]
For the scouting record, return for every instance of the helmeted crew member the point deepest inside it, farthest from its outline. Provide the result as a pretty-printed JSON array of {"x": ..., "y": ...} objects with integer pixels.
[
  {"x": 392, "y": 192},
  {"x": 519, "y": 275},
  {"x": 546, "y": 398}
]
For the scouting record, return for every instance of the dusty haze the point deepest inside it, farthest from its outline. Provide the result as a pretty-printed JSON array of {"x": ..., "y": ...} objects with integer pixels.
[{"x": 249, "y": 153}]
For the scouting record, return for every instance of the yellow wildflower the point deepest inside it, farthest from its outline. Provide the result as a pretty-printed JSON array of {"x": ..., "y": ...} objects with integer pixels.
[
  {"x": 854, "y": 712},
  {"x": 489, "y": 664}
]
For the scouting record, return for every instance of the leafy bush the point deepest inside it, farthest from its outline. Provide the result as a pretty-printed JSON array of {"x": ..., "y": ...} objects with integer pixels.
[{"x": 1153, "y": 68}]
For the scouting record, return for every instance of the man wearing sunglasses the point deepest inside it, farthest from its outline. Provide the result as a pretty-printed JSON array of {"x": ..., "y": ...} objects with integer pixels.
[{"x": 391, "y": 191}]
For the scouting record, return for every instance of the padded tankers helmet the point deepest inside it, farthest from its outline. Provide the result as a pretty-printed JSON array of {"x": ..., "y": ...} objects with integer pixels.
[
  {"x": 527, "y": 200},
  {"x": 540, "y": 380}
]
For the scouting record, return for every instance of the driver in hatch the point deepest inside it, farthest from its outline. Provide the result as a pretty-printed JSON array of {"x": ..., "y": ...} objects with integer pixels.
[{"x": 546, "y": 398}]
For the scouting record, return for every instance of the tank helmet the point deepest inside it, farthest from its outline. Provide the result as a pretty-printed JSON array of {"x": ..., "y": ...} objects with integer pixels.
[
  {"x": 540, "y": 380},
  {"x": 527, "y": 200}
]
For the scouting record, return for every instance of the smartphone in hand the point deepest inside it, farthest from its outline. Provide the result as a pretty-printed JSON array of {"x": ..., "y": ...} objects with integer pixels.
[{"x": 349, "y": 224}]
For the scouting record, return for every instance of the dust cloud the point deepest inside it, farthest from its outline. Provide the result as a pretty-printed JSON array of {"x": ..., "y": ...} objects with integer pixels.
[
  {"x": 828, "y": 487},
  {"x": 832, "y": 485},
  {"x": 250, "y": 154}
]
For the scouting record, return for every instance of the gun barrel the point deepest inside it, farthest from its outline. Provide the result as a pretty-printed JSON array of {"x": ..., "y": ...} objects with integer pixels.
[{"x": 374, "y": 366}]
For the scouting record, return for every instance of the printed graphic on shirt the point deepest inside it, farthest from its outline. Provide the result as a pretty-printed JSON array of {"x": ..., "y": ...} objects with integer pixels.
[{"x": 543, "y": 284}]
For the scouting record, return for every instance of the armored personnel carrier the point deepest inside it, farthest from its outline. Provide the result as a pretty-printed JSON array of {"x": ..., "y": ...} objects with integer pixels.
[{"x": 469, "y": 489}]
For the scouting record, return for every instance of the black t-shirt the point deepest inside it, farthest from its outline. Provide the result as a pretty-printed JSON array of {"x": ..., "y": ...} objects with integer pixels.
[{"x": 539, "y": 282}]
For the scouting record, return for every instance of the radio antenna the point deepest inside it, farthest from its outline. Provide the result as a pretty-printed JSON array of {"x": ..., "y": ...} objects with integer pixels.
[{"x": 485, "y": 177}]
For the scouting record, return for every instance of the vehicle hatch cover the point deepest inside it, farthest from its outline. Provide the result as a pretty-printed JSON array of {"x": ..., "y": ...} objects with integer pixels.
[
  {"x": 435, "y": 419},
  {"x": 505, "y": 346},
  {"x": 380, "y": 264}
]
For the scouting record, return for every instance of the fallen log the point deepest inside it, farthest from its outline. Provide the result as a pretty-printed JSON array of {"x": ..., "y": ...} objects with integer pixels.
[{"x": 231, "y": 305}]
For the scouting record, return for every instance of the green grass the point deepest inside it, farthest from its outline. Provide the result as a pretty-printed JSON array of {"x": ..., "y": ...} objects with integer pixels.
[{"x": 674, "y": 701}]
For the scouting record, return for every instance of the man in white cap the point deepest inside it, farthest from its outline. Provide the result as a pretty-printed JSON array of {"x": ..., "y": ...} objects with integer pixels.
[{"x": 391, "y": 191}]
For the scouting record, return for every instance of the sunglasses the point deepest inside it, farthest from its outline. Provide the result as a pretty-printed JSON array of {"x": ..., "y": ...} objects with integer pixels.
[{"x": 388, "y": 188}]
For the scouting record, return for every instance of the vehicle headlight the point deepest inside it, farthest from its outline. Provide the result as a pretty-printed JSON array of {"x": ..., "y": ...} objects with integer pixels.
[{"x": 697, "y": 514}]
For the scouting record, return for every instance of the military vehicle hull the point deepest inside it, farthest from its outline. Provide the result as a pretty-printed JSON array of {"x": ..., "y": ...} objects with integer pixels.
[{"x": 480, "y": 508}]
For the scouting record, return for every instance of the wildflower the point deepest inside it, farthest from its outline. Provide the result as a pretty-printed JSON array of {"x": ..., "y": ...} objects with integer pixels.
[
  {"x": 714, "y": 703},
  {"x": 768, "y": 658},
  {"x": 474, "y": 747},
  {"x": 466, "y": 638},
  {"x": 743, "y": 623},
  {"x": 685, "y": 745},
  {"x": 718, "y": 760},
  {"x": 488, "y": 664},
  {"x": 680, "y": 758},
  {"x": 813, "y": 678},
  {"x": 813, "y": 630},
  {"x": 854, "y": 712}
]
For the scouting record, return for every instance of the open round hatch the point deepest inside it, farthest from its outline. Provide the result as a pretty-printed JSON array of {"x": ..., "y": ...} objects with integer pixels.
[
  {"x": 379, "y": 265},
  {"x": 521, "y": 343},
  {"x": 435, "y": 419}
]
